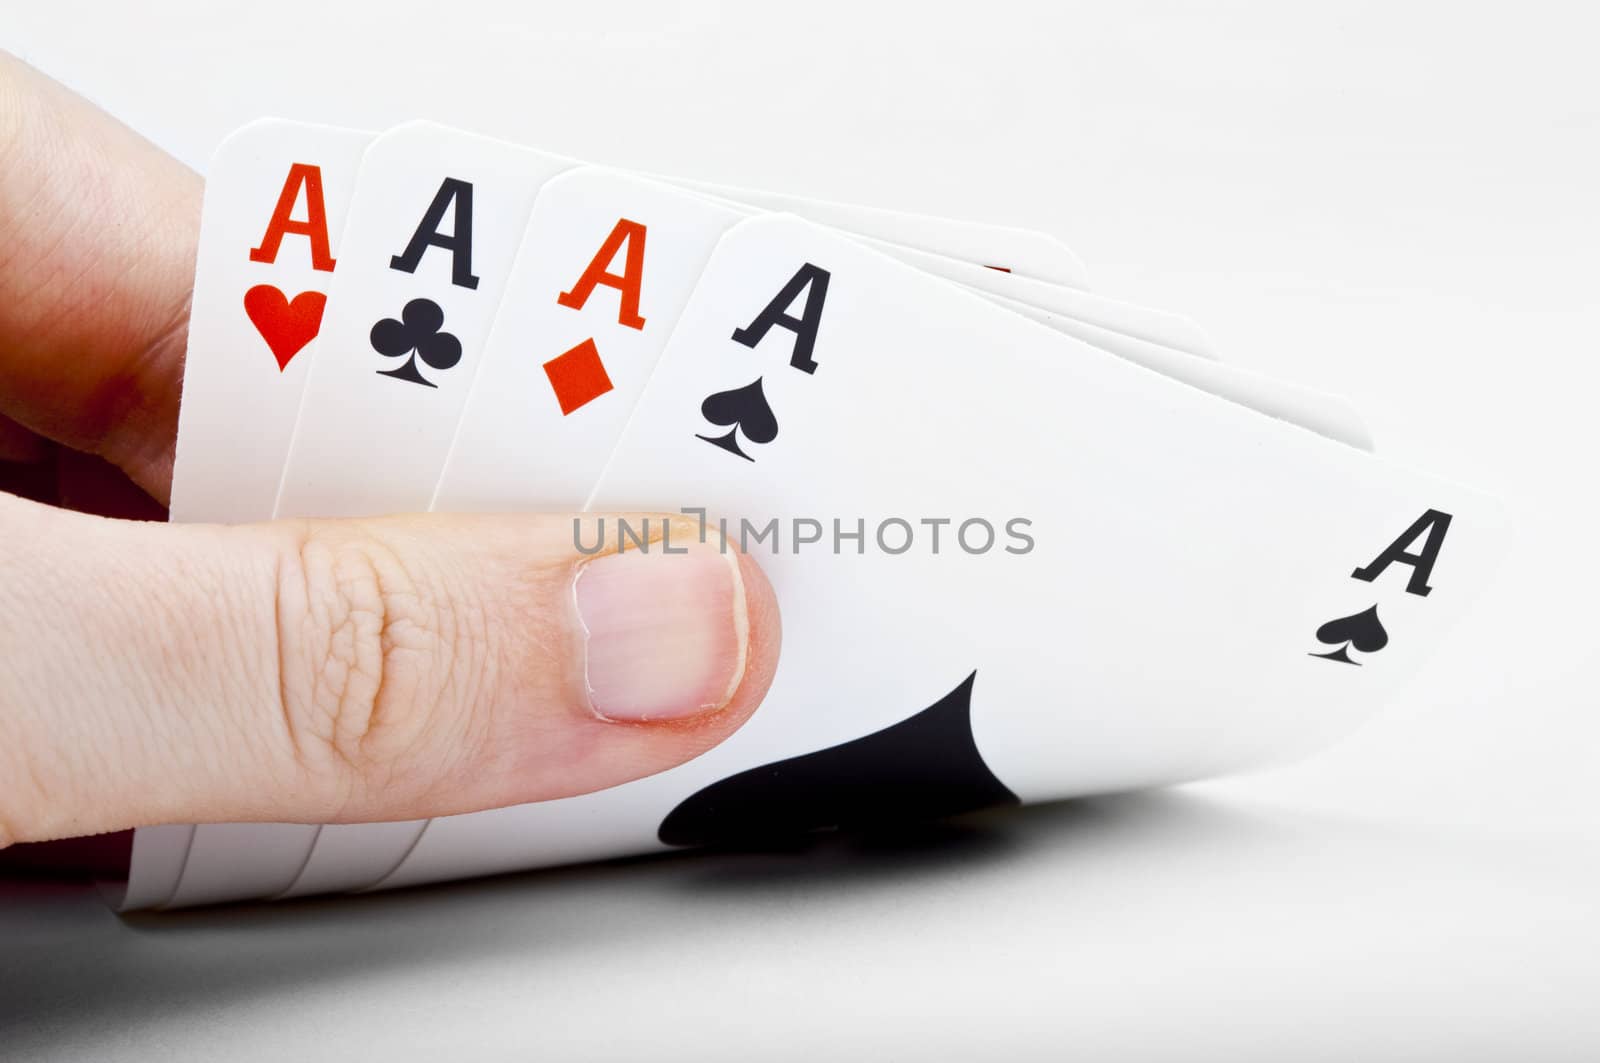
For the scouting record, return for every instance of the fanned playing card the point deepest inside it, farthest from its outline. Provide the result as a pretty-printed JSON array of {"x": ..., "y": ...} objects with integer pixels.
[{"x": 274, "y": 209}]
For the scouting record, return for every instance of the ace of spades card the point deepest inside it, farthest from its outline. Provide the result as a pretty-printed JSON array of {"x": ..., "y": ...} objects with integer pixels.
[{"x": 1160, "y": 563}]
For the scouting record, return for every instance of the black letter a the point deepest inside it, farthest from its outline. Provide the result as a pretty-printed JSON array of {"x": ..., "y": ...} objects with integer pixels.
[
  {"x": 803, "y": 327},
  {"x": 1434, "y": 524},
  {"x": 458, "y": 243}
]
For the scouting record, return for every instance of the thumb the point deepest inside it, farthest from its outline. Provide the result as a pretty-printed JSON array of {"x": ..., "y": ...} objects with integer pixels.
[{"x": 347, "y": 671}]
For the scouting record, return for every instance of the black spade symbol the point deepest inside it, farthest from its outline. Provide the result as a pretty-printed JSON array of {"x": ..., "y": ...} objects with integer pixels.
[
  {"x": 416, "y": 334},
  {"x": 924, "y": 767},
  {"x": 746, "y": 409},
  {"x": 1363, "y": 631}
]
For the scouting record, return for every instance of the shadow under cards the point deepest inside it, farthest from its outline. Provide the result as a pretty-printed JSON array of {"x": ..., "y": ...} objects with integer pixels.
[{"x": 67, "y": 962}]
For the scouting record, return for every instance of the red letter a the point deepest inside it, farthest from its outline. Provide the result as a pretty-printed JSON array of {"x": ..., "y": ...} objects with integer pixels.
[
  {"x": 314, "y": 228},
  {"x": 626, "y": 232}
]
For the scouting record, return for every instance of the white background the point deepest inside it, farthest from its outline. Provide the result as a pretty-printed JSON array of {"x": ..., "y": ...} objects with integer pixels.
[{"x": 1399, "y": 202}]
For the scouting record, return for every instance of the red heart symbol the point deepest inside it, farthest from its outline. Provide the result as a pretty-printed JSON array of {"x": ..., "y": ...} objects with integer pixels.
[{"x": 286, "y": 324}]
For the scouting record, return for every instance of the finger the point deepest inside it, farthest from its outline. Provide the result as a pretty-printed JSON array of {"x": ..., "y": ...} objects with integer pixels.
[
  {"x": 97, "y": 239},
  {"x": 347, "y": 671}
]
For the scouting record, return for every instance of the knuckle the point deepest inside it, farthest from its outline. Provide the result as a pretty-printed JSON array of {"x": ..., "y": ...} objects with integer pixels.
[{"x": 372, "y": 659}]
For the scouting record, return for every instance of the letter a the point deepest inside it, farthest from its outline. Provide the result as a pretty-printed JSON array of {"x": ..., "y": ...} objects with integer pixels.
[
  {"x": 628, "y": 284},
  {"x": 1432, "y": 523},
  {"x": 314, "y": 228},
  {"x": 813, "y": 280},
  {"x": 458, "y": 243}
]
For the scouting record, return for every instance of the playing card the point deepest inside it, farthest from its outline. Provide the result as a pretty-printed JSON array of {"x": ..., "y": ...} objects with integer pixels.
[
  {"x": 275, "y": 200},
  {"x": 274, "y": 207},
  {"x": 1154, "y": 339},
  {"x": 1011, "y": 567},
  {"x": 1022, "y": 252},
  {"x": 155, "y": 865},
  {"x": 1139, "y": 322}
]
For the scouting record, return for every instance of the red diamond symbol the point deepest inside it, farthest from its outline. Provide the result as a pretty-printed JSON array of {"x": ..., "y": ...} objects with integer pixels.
[{"x": 577, "y": 376}]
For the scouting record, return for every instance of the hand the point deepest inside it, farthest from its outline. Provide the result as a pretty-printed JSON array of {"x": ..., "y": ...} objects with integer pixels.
[{"x": 313, "y": 671}]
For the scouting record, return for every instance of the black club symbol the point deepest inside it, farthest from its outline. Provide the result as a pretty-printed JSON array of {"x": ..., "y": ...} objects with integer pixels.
[{"x": 415, "y": 334}]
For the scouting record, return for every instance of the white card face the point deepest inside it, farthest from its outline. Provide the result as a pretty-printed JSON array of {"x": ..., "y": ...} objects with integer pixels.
[
  {"x": 432, "y": 234},
  {"x": 1021, "y": 252},
  {"x": 274, "y": 207},
  {"x": 275, "y": 203},
  {"x": 1123, "y": 328},
  {"x": 1137, "y": 583}
]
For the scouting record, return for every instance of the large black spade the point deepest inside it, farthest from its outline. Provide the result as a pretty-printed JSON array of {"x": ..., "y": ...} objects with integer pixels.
[{"x": 921, "y": 768}]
